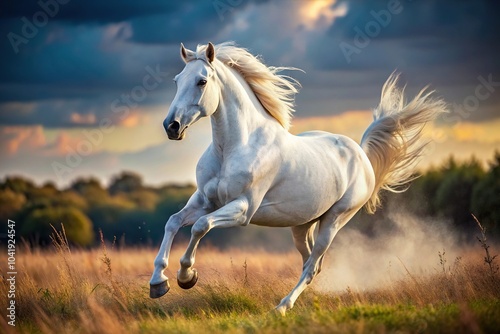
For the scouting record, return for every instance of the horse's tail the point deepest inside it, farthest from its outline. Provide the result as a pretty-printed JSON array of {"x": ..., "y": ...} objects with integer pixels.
[{"x": 392, "y": 142}]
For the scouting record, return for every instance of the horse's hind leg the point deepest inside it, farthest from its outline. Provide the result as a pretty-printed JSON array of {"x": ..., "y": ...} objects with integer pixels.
[
  {"x": 303, "y": 237},
  {"x": 329, "y": 225}
]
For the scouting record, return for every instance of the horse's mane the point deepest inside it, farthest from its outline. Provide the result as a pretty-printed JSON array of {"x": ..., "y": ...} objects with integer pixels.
[{"x": 274, "y": 91}]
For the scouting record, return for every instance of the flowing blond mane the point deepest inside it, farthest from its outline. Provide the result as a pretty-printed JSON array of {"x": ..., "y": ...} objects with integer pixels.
[{"x": 275, "y": 92}]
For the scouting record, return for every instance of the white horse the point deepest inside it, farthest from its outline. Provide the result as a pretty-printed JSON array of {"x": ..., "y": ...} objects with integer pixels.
[{"x": 256, "y": 172}]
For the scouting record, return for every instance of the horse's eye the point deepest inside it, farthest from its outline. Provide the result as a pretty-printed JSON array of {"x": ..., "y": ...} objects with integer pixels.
[{"x": 202, "y": 82}]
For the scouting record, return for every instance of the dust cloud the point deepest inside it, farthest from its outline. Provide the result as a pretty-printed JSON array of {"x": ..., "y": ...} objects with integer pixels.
[{"x": 360, "y": 262}]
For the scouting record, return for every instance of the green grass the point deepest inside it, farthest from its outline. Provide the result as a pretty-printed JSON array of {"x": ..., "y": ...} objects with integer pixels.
[
  {"x": 101, "y": 291},
  {"x": 482, "y": 316}
]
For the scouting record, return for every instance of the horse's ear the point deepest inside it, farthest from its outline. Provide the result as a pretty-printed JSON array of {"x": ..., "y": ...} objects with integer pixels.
[
  {"x": 186, "y": 54},
  {"x": 210, "y": 52}
]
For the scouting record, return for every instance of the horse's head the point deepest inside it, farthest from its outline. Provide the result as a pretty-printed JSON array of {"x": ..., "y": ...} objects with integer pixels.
[{"x": 197, "y": 92}]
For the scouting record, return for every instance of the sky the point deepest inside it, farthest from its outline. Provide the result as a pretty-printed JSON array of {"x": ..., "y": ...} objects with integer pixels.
[{"x": 85, "y": 85}]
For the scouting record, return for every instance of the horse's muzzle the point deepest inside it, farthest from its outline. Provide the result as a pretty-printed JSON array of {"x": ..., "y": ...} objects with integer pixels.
[{"x": 174, "y": 131}]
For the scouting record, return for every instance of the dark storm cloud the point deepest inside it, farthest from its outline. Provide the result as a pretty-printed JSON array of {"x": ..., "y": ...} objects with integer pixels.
[
  {"x": 447, "y": 44},
  {"x": 153, "y": 21},
  {"x": 110, "y": 11},
  {"x": 199, "y": 21},
  {"x": 202, "y": 22},
  {"x": 424, "y": 34},
  {"x": 89, "y": 11},
  {"x": 90, "y": 53},
  {"x": 453, "y": 19}
]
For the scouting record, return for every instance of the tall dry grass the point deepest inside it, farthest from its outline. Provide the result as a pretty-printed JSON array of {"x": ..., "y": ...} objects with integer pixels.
[{"x": 106, "y": 290}]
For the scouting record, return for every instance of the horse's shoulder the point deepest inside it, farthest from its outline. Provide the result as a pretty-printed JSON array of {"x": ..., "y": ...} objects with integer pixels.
[{"x": 208, "y": 166}]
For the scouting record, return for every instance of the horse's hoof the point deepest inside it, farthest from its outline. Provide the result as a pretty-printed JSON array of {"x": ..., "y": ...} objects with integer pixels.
[
  {"x": 191, "y": 283},
  {"x": 280, "y": 310},
  {"x": 284, "y": 306},
  {"x": 158, "y": 290}
]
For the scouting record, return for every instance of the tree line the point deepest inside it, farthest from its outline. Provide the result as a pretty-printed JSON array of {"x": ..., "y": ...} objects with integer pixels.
[
  {"x": 127, "y": 210},
  {"x": 133, "y": 213}
]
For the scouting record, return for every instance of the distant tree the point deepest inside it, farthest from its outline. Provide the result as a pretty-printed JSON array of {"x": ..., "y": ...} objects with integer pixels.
[
  {"x": 71, "y": 199},
  {"x": 145, "y": 199},
  {"x": 11, "y": 204},
  {"x": 125, "y": 182},
  {"x": 87, "y": 186},
  {"x": 420, "y": 198},
  {"x": 90, "y": 189},
  {"x": 110, "y": 215},
  {"x": 172, "y": 199},
  {"x": 486, "y": 198},
  {"x": 77, "y": 225},
  {"x": 49, "y": 185},
  {"x": 454, "y": 195},
  {"x": 17, "y": 184}
]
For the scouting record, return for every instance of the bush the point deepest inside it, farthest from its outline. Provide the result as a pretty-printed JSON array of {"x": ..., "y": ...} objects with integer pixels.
[
  {"x": 77, "y": 225},
  {"x": 486, "y": 198}
]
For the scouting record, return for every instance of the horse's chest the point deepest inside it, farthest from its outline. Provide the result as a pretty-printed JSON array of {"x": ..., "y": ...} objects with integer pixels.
[
  {"x": 210, "y": 191},
  {"x": 224, "y": 188}
]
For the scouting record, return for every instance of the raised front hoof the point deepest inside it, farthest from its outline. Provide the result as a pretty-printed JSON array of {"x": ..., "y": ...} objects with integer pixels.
[
  {"x": 189, "y": 284},
  {"x": 158, "y": 290}
]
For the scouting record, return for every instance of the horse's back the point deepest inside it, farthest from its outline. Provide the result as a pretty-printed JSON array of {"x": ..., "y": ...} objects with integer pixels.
[
  {"x": 316, "y": 170},
  {"x": 339, "y": 147}
]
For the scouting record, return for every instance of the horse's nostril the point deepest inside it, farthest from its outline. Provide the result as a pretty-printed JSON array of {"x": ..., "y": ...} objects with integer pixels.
[{"x": 174, "y": 126}]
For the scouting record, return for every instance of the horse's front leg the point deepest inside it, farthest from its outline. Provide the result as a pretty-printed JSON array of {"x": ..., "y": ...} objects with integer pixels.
[
  {"x": 187, "y": 216},
  {"x": 230, "y": 215}
]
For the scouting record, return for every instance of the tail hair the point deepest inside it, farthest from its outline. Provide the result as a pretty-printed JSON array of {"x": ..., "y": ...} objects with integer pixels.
[{"x": 393, "y": 141}]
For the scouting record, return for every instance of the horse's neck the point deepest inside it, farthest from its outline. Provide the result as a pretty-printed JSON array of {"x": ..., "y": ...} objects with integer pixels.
[{"x": 239, "y": 113}]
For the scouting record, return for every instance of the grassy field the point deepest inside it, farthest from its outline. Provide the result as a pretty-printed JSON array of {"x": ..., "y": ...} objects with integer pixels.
[{"x": 106, "y": 291}]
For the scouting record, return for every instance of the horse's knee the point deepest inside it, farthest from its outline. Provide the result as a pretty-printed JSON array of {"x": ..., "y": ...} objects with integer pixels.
[
  {"x": 311, "y": 271},
  {"x": 173, "y": 224},
  {"x": 309, "y": 277},
  {"x": 200, "y": 228}
]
